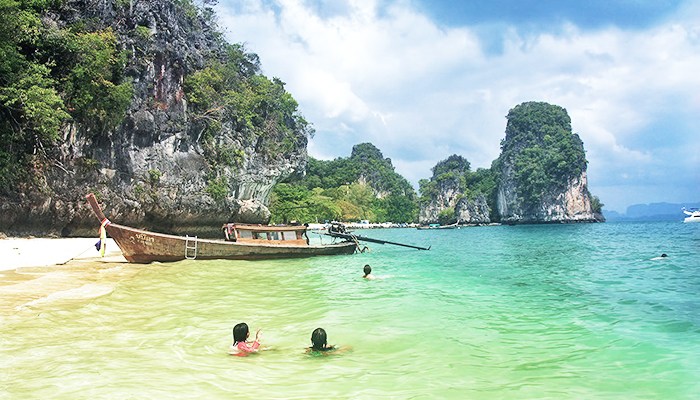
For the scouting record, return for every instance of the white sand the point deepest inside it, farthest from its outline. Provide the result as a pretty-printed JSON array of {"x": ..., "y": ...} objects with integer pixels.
[
  {"x": 35, "y": 273},
  {"x": 20, "y": 252}
]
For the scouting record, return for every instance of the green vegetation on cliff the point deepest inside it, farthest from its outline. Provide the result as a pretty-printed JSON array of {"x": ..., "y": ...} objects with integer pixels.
[
  {"x": 363, "y": 186},
  {"x": 51, "y": 76},
  {"x": 232, "y": 90},
  {"x": 452, "y": 171}
]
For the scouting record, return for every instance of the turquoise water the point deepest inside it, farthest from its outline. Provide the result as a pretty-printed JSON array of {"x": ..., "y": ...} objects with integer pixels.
[{"x": 552, "y": 311}]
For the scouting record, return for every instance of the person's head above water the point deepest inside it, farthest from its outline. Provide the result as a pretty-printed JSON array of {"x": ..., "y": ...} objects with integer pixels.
[
  {"x": 318, "y": 339},
  {"x": 240, "y": 332},
  {"x": 664, "y": 255},
  {"x": 367, "y": 269}
]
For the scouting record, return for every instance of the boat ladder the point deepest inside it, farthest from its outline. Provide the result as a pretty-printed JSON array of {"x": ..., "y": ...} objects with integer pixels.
[{"x": 190, "y": 247}]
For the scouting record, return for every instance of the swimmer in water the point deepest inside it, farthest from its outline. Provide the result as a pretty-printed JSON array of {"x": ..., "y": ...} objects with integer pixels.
[
  {"x": 319, "y": 341},
  {"x": 240, "y": 346},
  {"x": 368, "y": 272},
  {"x": 663, "y": 255}
]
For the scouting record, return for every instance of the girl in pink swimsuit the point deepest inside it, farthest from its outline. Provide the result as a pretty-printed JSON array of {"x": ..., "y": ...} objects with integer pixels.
[{"x": 240, "y": 347}]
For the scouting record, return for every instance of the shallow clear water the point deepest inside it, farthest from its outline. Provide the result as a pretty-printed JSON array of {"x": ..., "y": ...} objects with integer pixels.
[{"x": 551, "y": 311}]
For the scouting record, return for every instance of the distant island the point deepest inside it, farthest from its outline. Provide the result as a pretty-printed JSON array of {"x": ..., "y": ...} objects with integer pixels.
[
  {"x": 651, "y": 212},
  {"x": 539, "y": 177}
]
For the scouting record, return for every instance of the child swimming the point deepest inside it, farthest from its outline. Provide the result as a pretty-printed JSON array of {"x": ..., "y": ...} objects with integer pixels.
[
  {"x": 240, "y": 346},
  {"x": 368, "y": 272},
  {"x": 319, "y": 341}
]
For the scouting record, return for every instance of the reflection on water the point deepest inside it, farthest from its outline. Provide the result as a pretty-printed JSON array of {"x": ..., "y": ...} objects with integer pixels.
[{"x": 570, "y": 311}]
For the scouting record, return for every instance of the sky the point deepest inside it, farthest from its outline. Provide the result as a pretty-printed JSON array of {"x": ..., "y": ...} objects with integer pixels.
[{"x": 425, "y": 79}]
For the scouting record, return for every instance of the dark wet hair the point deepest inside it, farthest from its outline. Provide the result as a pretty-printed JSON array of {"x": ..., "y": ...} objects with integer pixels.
[
  {"x": 368, "y": 269},
  {"x": 240, "y": 332},
  {"x": 664, "y": 255},
  {"x": 318, "y": 339}
]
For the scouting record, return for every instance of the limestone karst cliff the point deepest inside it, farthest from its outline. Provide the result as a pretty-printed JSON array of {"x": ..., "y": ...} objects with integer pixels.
[
  {"x": 202, "y": 140},
  {"x": 447, "y": 199},
  {"x": 542, "y": 168}
]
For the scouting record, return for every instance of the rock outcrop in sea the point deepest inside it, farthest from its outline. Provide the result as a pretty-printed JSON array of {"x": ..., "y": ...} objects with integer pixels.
[
  {"x": 166, "y": 166},
  {"x": 542, "y": 168}
]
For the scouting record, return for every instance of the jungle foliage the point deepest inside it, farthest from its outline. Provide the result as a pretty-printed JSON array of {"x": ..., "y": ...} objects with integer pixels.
[
  {"x": 51, "y": 76},
  {"x": 362, "y": 186},
  {"x": 232, "y": 90}
]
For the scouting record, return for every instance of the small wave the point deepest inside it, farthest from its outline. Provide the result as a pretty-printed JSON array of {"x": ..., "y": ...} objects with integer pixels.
[
  {"x": 118, "y": 268},
  {"x": 88, "y": 291}
]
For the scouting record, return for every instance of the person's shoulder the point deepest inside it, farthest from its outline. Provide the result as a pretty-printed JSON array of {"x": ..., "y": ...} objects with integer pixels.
[
  {"x": 325, "y": 350},
  {"x": 339, "y": 349}
]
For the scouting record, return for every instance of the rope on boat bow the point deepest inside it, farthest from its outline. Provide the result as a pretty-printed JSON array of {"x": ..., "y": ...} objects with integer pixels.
[{"x": 101, "y": 244}]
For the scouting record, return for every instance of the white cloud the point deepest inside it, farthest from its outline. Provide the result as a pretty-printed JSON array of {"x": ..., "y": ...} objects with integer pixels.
[{"x": 421, "y": 92}]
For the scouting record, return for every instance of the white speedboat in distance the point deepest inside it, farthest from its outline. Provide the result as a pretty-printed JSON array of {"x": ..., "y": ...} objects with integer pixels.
[{"x": 693, "y": 215}]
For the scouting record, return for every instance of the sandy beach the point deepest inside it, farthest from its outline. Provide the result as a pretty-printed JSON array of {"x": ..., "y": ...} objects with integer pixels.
[
  {"x": 38, "y": 252},
  {"x": 35, "y": 271}
]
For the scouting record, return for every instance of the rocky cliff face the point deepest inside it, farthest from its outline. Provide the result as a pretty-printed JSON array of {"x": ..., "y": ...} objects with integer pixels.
[
  {"x": 542, "y": 169},
  {"x": 572, "y": 204},
  {"x": 444, "y": 199},
  {"x": 473, "y": 212},
  {"x": 462, "y": 210},
  {"x": 447, "y": 202},
  {"x": 153, "y": 170}
]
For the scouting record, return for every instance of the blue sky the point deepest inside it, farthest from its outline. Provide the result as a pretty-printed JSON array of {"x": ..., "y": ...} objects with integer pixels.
[{"x": 423, "y": 80}]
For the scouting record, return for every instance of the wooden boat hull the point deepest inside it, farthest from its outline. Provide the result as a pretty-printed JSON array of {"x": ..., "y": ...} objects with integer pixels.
[
  {"x": 140, "y": 246},
  {"x": 261, "y": 242}
]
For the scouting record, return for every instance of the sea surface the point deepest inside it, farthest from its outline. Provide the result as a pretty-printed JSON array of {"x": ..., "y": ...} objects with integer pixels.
[{"x": 579, "y": 311}]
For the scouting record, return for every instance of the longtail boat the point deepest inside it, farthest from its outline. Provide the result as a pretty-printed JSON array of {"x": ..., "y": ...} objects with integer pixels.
[
  {"x": 337, "y": 230},
  {"x": 437, "y": 226},
  {"x": 241, "y": 242}
]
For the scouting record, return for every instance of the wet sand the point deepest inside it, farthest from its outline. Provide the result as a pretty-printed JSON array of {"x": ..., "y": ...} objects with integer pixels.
[{"x": 37, "y": 271}]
